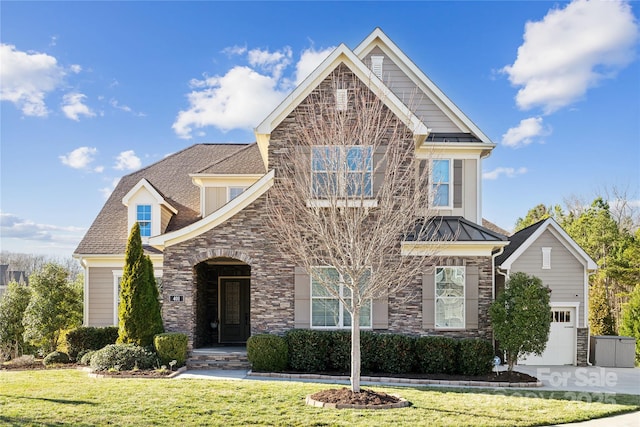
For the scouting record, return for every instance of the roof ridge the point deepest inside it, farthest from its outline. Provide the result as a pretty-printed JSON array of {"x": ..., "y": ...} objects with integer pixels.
[{"x": 217, "y": 162}]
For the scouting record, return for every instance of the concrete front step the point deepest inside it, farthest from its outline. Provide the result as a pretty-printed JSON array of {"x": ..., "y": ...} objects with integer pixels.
[{"x": 218, "y": 358}]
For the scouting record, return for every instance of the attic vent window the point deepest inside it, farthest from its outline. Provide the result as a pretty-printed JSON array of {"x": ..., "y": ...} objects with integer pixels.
[
  {"x": 341, "y": 99},
  {"x": 376, "y": 65},
  {"x": 546, "y": 258}
]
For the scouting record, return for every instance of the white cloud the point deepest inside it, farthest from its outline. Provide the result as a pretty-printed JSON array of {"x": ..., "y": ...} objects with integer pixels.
[
  {"x": 525, "y": 133},
  {"x": 75, "y": 68},
  {"x": 27, "y": 78},
  {"x": 571, "y": 50},
  {"x": 127, "y": 160},
  {"x": 115, "y": 104},
  {"x": 508, "y": 172},
  {"x": 12, "y": 226},
  {"x": 74, "y": 107},
  {"x": 80, "y": 158},
  {"x": 309, "y": 61},
  {"x": 243, "y": 96}
]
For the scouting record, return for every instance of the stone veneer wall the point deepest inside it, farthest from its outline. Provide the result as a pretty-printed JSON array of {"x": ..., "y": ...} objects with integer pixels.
[
  {"x": 582, "y": 351},
  {"x": 246, "y": 236}
]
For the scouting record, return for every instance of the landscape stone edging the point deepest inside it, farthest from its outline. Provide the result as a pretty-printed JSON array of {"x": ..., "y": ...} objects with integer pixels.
[
  {"x": 93, "y": 374},
  {"x": 411, "y": 381},
  {"x": 403, "y": 403}
]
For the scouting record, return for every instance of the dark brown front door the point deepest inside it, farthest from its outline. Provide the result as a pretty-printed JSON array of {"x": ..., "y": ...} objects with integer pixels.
[{"x": 235, "y": 324}]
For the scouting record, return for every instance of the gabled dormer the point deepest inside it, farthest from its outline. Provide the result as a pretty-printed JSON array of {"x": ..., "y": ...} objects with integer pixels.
[
  {"x": 228, "y": 178},
  {"x": 146, "y": 206}
]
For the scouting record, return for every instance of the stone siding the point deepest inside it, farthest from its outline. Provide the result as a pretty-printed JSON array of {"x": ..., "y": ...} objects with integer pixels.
[{"x": 582, "y": 351}]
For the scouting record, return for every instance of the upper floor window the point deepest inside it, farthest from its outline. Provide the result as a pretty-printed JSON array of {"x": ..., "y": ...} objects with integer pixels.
[
  {"x": 441, "y": 182},
  {"x": 328, "y": 311},
  {"x": 342, "y": 171},
  {"x": 143, "y": 216},
  {"x": 449, "y": 297},
  {"x": 235, "y": 192}
]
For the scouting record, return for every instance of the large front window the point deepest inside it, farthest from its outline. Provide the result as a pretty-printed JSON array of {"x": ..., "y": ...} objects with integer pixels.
[
  {"x": 327, "y": 310},
  {"x": 450, "y": 297},
  {"x": 441, "y": 182},
  {"x": 342, "y": 171},
  {"x": 143, "y": 216}
]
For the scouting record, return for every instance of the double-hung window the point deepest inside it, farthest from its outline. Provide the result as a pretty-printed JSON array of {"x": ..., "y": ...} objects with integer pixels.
[
  {"x": 441, "y": 182},
  {"x": 327, "y": 310},
  {"x": 450, "y": 294},
  {"x": 343, "y": 171},
  {"x": 143, "y": 216}
]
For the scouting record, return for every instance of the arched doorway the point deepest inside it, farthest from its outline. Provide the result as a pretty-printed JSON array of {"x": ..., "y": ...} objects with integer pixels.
[{"x": 223, "y": 312}]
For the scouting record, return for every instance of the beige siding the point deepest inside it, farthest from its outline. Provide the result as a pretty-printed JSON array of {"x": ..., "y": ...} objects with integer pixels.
[
  {"x": 215, "y": 198},
  {"x": 566, "y": 276},
  {"x": 166, "y": 215},
  {"x": 402, "y": 86},
  {"x": 101, "y": 296}
]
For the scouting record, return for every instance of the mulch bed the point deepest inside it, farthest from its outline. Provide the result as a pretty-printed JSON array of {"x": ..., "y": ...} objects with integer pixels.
[{"x": 346, "y": 396}]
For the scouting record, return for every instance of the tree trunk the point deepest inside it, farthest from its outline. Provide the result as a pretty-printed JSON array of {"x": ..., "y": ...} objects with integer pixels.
[{"x": 355, "y": 350}]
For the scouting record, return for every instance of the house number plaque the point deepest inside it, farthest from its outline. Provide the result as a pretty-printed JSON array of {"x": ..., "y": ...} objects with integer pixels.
[{"x": 176, "y": 298}]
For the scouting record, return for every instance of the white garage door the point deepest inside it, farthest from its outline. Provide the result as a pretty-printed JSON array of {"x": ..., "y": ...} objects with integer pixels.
[{"x": 562, "y": 340}]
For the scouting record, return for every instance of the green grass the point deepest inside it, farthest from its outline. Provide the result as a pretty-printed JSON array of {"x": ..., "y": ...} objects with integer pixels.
[{"x": 70, "y": 397}]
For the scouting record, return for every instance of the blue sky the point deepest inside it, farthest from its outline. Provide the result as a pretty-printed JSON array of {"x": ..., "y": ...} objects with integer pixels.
[{"x": 94, "y": 90}]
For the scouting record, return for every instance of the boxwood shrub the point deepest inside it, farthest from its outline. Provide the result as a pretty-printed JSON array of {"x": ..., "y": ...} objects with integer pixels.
[
  {"x": 436, "y": 355},
  {"x": 395, "y": 353},
  {"x": 267, "y": 353},
  {"x": 86, "y": 357},
  {"x": 123, "y": 357},
  {"x": 171, "y": 346},
  {"x": 55, "y": 357},
  {"x": 90, "y": 338},
  {"x": 475, "y": 356},
  {"x": 307, "y": 350},
  {"x": 339, "y": 349}
]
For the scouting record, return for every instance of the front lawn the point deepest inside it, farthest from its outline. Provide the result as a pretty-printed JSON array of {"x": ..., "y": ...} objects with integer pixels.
[{"x": 69, "y": 397}]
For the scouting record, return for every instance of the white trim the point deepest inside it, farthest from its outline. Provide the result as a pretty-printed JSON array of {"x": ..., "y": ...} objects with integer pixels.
[
  {"x": 464, "y": 299},
  {"x": 447, "y": 248},
  {"x": 229, "y": 191},
  {"x": 551, "y": 225},
  {"x": 381, "y": 40},
  {"x": 117, "y": 274},
  {"x": 432, "y": 182},
  {"x": 546, "y": 258},
  {"x": 355, "y": 203},
  {"x": 143, "y": 183},
  {"x": 216, "y": 218}
]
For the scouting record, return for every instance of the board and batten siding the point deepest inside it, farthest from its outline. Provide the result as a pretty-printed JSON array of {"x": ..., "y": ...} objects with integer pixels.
[
  {"x": 215, "y": 198},
  {"x": 101, "y": 297},
  {"x": 402, "y": 86},
  {"x": 566, "y": 276}
]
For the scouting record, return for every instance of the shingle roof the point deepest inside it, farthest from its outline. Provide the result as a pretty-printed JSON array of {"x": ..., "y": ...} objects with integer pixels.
[
  {"x": 493, "y": 227},
  {"x": 245, "y": 161},
  {"x": 170, "y": 176},
  {"x": 453, "y": 228},
  {"x": 517, "y": 239}
]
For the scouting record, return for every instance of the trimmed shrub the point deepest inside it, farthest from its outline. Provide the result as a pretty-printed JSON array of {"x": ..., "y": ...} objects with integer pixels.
[
  {"x": 123, "y": 357},
  {"x": 55, "y": 357},
  {"x": 368, "y": 352},
  {"x": 307, "y": 350},
  {"x": 86, "y": 357},
  {"x": 339, "y": 351},
  {"x": 396, "y": 353},
  {"x": 171, "y": 346},
  {"x": 267, "y": 353},
  {"x": 90, "y": 338},
  {"x": 475, "y": 356},
  {"x": 436, "y": 355}
]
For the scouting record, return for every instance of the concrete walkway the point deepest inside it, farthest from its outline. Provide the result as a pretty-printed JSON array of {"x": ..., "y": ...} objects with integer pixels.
[{"x": 569, "y": 380}]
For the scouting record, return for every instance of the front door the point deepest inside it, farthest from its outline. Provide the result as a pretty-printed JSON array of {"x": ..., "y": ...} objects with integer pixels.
[{"x": 235, "y": 324}]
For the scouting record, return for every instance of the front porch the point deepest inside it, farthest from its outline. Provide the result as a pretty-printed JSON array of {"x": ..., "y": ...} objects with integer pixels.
[{"x": 219, "y": 357}]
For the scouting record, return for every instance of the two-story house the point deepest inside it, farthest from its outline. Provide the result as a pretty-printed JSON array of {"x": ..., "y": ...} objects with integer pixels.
[{"x": 203, "y": 220}]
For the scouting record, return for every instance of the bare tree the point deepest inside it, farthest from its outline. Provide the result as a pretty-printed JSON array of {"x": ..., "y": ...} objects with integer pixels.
[{"x": 345, "y": 198}]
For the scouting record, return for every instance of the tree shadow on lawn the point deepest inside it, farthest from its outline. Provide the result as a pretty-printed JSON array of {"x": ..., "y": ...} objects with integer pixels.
[
  {"x": 46, "y": 399},
  {"x": 22, "y": 421}
]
